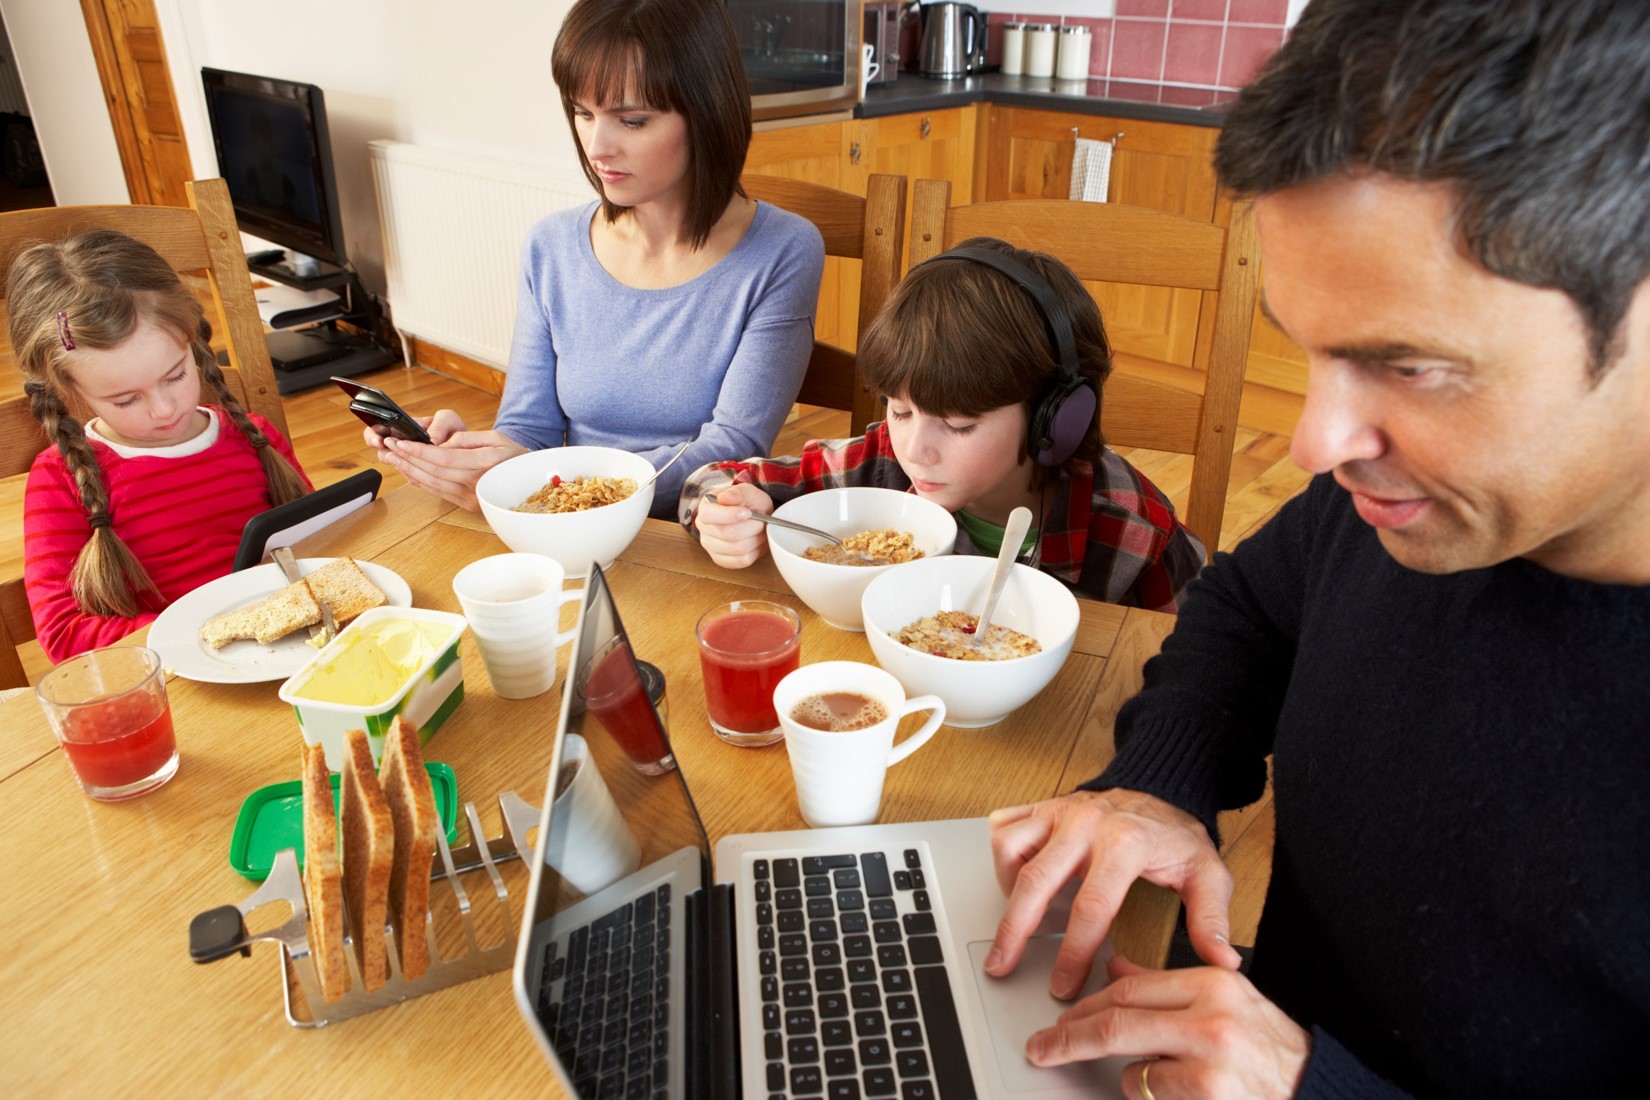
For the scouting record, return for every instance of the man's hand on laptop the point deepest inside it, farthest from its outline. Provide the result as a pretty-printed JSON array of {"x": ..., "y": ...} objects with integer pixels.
[
  {"x": 1109, "y": 838},
  {"x": 1211, "y": 1032}
]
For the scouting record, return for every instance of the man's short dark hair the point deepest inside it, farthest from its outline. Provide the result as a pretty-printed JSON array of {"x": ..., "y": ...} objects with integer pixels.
[
  {"x": 683, "y": 56},
  {"x": 1537, "y": 111}
]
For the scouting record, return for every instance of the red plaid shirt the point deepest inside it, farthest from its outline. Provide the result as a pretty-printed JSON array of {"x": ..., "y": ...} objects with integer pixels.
[{"x": 1110, "y": 536}]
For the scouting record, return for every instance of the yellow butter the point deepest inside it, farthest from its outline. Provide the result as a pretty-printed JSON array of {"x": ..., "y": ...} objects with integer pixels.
[{"x": 373, "y": 663}]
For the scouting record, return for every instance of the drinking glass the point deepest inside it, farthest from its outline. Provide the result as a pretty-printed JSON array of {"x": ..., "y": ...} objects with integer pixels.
[
  {"x": 745, "y": 648},
  {"x": 108, "y": 708}
]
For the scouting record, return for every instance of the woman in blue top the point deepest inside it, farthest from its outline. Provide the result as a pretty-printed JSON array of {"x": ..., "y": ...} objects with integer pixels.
[{"x": 672, "y": 309}]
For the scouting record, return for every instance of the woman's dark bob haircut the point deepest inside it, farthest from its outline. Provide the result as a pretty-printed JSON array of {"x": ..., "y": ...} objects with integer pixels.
[{"x": 672, "y": 55}]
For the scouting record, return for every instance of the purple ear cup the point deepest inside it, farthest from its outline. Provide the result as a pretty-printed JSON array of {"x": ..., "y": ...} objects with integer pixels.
[
  {"x": 1060, "y": 421},
  {"x": 1061, "y": 416}
]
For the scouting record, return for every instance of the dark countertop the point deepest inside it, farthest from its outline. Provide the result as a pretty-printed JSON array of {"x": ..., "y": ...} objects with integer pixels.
[{"x": 913, "y": 92}]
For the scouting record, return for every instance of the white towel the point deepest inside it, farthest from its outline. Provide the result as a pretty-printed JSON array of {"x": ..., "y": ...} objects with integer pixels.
[{"x": 1090, "y": 170}]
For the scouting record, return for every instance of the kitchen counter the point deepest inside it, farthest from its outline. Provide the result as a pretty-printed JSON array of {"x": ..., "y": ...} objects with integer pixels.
[{"x": 1118, "y": 99}]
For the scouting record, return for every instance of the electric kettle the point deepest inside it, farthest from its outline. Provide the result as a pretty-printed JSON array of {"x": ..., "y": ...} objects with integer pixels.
[{"x": 952, "y": 40}]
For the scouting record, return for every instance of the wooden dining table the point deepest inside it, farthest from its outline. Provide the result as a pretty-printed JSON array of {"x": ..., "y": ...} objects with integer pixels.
[{"x": 97, "y": 990}]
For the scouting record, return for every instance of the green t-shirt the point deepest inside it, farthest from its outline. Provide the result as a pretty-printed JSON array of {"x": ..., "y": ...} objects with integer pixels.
[{"x": 987, "y": 537}]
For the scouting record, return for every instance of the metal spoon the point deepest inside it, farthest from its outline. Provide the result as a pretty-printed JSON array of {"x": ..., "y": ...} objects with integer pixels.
[
  {"x": 665, "y": 467},
  {"x": 1019, "y": 522},
  {"x": 763, "y": 517}
]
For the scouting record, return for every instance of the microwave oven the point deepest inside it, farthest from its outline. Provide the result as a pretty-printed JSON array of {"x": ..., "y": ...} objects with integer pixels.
[{"x": 802, "y": 57}]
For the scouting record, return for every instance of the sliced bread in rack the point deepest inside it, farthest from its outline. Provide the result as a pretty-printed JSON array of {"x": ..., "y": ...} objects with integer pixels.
[
  {"x": 412, "y": 805},
  {"x": 369, "y": 856},
  {"x": 323, "y": 877}
]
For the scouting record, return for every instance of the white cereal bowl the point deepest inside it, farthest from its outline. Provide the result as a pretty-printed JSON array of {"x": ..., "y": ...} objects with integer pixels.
[
  {"x": 976, "y": 693},
  {"x": 834, "y": 591},
  {"x": 575, "y": 539}
]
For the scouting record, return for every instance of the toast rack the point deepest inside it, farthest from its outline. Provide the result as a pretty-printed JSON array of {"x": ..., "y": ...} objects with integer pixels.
[{"x": 221, "y": 932}]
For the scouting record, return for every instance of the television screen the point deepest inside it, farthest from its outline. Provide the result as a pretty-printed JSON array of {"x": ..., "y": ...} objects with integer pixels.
[{"x": 274, "y": 152}]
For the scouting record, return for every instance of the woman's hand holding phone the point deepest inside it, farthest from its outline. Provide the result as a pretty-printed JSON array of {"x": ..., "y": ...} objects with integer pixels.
[{"x": 452, "y": 462}]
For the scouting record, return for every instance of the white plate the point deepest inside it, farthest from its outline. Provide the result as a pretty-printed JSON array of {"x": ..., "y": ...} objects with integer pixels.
[{"x": 175, "y": 634}]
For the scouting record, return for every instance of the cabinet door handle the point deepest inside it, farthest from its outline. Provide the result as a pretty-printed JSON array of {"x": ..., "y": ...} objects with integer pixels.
[
  {"x": 853, "y": 153},
  {"x": 927, "y": 125}
]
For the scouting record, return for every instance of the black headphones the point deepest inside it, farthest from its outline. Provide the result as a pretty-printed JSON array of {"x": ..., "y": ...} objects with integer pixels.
[{"x": 1062, "y": 413}]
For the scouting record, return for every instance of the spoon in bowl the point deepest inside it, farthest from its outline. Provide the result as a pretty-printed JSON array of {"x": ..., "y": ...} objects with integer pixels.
[
  {"x": 763, "y": 517},
  {"x": 665, "y": 467},
  {"x": 1019, "y": 522}
]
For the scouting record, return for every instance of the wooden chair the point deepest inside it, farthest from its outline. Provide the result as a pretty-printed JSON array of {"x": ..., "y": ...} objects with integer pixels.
[
  {"x": 868, "y": 230},
  {"x": 202, "y": 242},
  {"x": 1110, "y": 242}
]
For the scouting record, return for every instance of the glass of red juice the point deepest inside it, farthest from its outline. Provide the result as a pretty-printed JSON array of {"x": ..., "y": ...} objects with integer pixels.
[
  {"x": 619, "y": 695},
  {"x": 108, "y": 708},
  {"x": 745, "y": 649}
]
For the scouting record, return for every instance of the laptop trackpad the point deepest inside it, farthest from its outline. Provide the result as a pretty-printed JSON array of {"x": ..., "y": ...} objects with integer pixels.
[{"x": 1019, "y": 1005}]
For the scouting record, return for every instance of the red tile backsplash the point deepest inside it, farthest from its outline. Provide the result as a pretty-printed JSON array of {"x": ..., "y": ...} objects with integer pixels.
[
  {"x": 1212, "y": 10},
  {"x": 1273, "y": 12},
  {"x": 1214, "y": 45},
  {"x": 1137, "y": 50},
  {"x": 1193, "y": 56},
  {"x": 1246, "y": 50}
]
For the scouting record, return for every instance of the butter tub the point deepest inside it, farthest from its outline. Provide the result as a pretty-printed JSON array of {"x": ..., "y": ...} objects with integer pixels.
[{"x": 390, "y": 661}]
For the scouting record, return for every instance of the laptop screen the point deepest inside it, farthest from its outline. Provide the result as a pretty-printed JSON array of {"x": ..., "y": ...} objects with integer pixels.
[{"x": 615, "y": 932}]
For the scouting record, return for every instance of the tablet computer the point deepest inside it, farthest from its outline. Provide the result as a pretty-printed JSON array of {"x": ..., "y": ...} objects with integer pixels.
[{"x": 287, "y": 523}]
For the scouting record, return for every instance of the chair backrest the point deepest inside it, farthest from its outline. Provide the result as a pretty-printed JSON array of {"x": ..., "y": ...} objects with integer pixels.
[
  {"x": 1110, "y": 242},
  {"x": 202, "y": 243},
  {"x": 867, "y": 229}
]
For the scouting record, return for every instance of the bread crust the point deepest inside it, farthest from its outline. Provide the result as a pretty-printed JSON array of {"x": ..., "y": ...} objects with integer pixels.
[
  {"x": 323, "y": 877},
  {"x": 345, "y": 589},
  {"x": 412, "y": 805},
  {"x": 369, "y": 857},
  {"x": 269, "y": 619}
]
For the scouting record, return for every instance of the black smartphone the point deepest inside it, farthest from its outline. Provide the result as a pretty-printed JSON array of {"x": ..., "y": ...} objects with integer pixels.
[{"x": 378, "y": 411}]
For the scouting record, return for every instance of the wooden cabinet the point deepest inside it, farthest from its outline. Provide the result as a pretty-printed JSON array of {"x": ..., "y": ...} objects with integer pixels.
[{"x": 927, "y": 145}]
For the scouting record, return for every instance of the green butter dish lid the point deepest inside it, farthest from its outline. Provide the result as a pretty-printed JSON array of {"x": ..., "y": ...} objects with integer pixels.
[{"x": 272, "y": 818}]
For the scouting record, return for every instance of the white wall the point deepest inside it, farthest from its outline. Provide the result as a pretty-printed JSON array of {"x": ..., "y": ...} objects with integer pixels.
[
  {"x": 77, "y": 140},
  {"x": 472, "y": 77},
  {"x": 467, "y": 75}
]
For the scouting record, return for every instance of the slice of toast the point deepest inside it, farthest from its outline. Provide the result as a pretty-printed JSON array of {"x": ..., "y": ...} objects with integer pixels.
[
  {"x": 345, "y": 589},
  {"x": 369, "y": 857},
  {"x": 323, "y": 877},
  {"x": 412, "y": 804},
  {"x": 273, "y": 617}
]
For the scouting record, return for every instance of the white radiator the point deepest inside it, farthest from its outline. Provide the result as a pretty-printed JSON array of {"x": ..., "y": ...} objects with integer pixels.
[{"x": 453, "y": 228}]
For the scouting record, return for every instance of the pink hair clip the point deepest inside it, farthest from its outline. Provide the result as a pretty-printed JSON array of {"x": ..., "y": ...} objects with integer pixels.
[{"x": 63, "y": 330}]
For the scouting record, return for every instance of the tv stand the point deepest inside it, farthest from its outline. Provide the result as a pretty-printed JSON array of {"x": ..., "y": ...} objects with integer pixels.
[
  {"x": 309, "y": 357},
  {"x": 305, "y": 357}
]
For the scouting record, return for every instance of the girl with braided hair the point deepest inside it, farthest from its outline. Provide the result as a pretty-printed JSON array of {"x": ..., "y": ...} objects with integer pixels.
[{"x": 146, "y": 499}]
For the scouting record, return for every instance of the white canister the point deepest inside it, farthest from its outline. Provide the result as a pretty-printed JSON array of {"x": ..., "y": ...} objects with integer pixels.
[
  {"x": 1014, "y": 47},
  {"x": 1073, "y": 62},
  {"x": 1040, "y": 38}
]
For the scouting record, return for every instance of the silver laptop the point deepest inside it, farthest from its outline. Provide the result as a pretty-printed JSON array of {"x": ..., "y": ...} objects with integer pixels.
[{"x": 838, "y": 963}]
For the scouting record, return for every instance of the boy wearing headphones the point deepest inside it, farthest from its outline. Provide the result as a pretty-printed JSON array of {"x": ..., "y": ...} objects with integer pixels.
[{"x": 990, "y": 359}]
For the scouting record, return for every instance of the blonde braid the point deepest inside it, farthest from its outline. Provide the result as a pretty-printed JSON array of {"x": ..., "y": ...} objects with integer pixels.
[
  {"x": 107, "y": 578},
  {"x": 285, "y": 484}
]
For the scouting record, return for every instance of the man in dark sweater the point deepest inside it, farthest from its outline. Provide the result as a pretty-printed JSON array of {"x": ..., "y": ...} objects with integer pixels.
[{"x": 1444, "y": 644}]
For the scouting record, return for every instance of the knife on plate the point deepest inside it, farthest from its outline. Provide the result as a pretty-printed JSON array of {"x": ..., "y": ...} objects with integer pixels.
[{"x": 327, "y": 629}]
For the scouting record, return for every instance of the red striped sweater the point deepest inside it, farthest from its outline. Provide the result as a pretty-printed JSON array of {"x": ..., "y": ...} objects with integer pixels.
[{"x": 181, "y": 517}]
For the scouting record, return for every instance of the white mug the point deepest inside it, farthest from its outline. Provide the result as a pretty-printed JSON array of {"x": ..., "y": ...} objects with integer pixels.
[
  {"x": 593, "y": 847},
  {"x": 513, "y": 603},
  {"x": 839, "y": 773},
  {"x": 867, "y": 66}
]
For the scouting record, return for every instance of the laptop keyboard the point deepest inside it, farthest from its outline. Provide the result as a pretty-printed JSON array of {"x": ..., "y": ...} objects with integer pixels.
[
  {"x": 855, "y": 998},
  {"x": 604, "y": 1000}
]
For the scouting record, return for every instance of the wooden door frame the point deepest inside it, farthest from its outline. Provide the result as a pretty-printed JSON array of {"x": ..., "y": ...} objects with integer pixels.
[{"x": 119, "y": 101}]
